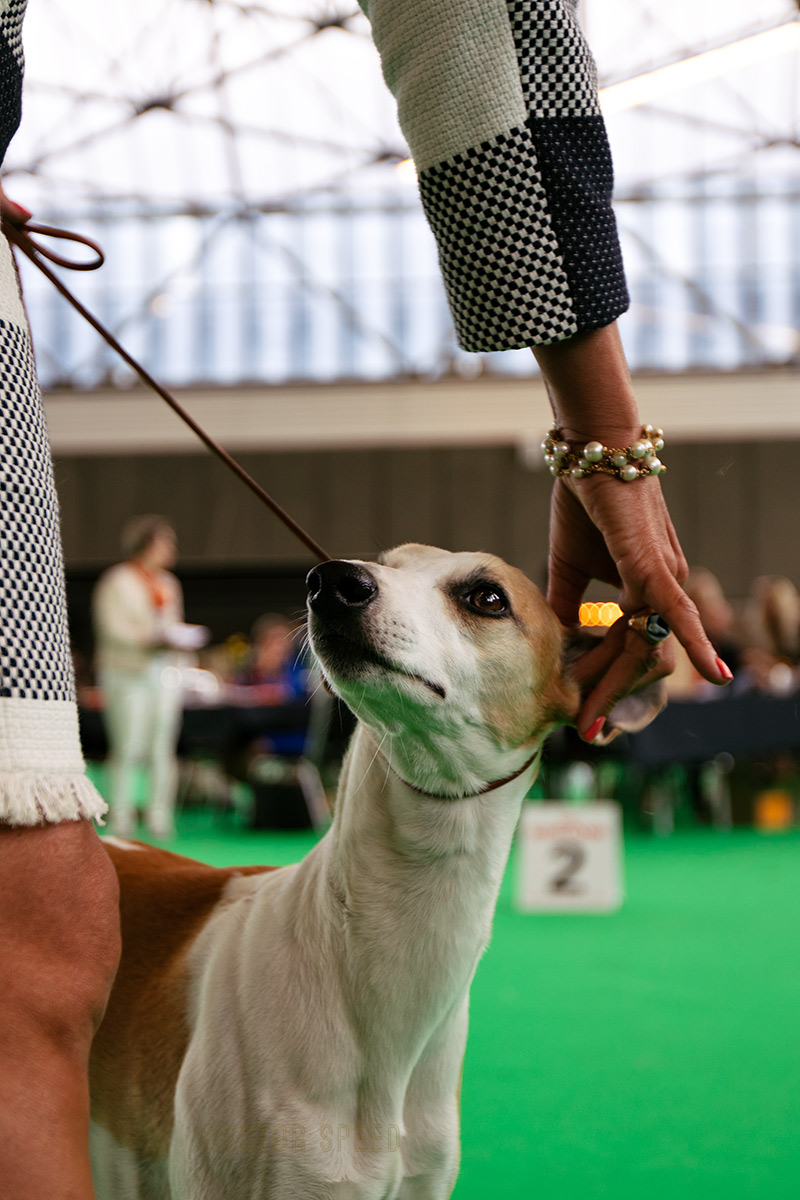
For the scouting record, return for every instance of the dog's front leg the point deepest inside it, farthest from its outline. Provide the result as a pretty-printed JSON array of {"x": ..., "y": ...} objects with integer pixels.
[
  {"x": 431, "y": 1118},
  {"x": 431, "y": 1152},
  {"x": 289, "y": 1161},
  {"x": 436, "y": 1184}
]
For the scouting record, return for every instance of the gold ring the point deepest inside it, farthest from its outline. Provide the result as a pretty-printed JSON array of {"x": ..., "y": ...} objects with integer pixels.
[{"x": 651, "y": 626}]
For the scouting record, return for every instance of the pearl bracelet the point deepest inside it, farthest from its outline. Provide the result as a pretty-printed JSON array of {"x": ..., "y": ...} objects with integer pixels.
[{"x": 631, "y": 462}]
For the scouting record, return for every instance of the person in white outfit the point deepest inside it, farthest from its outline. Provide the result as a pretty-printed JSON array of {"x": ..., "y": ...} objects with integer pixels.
[{"x": 138, "y": 610}]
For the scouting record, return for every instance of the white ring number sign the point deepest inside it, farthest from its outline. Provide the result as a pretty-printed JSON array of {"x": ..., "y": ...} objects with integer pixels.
[{"x": 570, "y": 858}]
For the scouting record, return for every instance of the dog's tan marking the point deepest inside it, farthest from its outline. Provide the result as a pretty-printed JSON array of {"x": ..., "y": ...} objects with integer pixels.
[
  {"x": 541, "y": 695},
  {"x": 166, "y": 900}
]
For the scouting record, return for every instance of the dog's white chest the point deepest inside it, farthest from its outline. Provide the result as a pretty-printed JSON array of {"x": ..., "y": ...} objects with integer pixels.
[{"x": 294, "y": 1086}]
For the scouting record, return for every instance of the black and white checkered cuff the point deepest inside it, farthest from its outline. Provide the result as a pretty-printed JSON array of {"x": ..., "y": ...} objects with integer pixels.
[
  {"x": 556, "y": 68},
  {"x": 35, "y": 660},
  {"x": 500, "y": 259},
  {"x": 527, "y": 239}
]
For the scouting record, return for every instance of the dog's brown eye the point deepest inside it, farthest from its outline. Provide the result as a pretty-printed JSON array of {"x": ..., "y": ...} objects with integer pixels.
[{"x": 489, "y": 600}]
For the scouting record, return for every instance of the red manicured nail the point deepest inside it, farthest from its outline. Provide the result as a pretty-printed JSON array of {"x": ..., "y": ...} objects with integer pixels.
[
  {"x": 725, "y": 670},
  {"x": 591, "y": 733}
]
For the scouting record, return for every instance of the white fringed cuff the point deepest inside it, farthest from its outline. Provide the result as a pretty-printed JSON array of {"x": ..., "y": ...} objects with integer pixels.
[
  {"x": 42, "y": 775},
  {"x": 27, "y": 798}
]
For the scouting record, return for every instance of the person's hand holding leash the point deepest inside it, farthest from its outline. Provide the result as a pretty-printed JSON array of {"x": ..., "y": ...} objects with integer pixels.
[
  {"x": 617, "y": 532},
  {"x": 15, "y": 213}
]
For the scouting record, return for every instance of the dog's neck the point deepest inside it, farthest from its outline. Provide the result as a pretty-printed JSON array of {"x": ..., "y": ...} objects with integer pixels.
[
  {"x": 493, "y": 786},
  {"x": 447, "y": 755},
  {"x": 416, "y": 880}
]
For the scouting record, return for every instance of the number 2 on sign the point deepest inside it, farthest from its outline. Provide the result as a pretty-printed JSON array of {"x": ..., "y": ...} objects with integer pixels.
[{"x": 574, "y": 856}]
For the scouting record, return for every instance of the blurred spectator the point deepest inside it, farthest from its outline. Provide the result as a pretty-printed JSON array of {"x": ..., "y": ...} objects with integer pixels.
[
  {"x": 139, "y": 633},
  {"x": 272, "y": 674},
  {"x": 771, "y": 633},
  {"x": 273, "y": 665},
  {"x": 717, "y": 616}
]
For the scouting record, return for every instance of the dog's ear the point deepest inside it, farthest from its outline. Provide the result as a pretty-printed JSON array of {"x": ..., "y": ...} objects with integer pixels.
[{"x": 632, "y": 713}]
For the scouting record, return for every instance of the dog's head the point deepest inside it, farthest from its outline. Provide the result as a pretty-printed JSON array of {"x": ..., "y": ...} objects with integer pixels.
[{"x": 456, "y": 661}]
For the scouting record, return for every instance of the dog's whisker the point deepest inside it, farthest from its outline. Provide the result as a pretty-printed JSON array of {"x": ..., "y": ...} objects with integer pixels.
[
  {"x": 301, "y": 631},
  {"x": 369, "y": 767},
  {"x": 304, "y": 653},
  {"x": 388, "y": 766}
]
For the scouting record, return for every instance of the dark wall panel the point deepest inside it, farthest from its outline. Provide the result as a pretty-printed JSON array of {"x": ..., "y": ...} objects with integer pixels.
[
  {"x": 777, "y": 548},
  {"x": 736, "y": 506}
]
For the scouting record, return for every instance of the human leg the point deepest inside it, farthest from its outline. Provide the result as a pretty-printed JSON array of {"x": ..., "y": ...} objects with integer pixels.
[
  {"x": 58, "y": 911},
  {"x": 127, "y": 722},
  {"x": 165, "y": 711},
  {"x": 59, "y": 948}
]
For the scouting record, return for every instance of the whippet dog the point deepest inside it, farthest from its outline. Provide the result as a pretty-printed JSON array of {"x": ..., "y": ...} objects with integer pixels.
[{"x": 298, "y": 1033}]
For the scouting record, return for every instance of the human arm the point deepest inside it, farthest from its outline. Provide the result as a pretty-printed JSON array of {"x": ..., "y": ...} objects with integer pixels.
[
  {"x": 619, "y": 533},
  {"x": 498, "y": 101},
  {"x": 11, "y": 211}
]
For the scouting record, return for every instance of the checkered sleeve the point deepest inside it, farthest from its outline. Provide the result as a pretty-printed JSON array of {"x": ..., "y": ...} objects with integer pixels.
[
  {"x": 42, "y": 775},
  {"x": 12, "y": 63},
  {"x": 498, "y": 102}
]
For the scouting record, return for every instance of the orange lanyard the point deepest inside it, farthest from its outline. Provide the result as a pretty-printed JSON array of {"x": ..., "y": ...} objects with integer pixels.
[{"x": 158, "y": 593}]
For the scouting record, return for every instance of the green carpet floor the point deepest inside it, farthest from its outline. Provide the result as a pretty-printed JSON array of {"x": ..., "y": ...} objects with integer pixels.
[{"x": 653, "y": 1053}]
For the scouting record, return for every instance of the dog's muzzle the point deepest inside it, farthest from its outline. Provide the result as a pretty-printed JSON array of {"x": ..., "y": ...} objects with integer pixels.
[
  {"x": 340, "y": 589},
  {"x": 339, "y": 595}
]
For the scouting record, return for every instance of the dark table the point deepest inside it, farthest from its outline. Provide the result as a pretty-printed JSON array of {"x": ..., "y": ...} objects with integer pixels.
[
  {"x": 686, "y": 732},
  {"x": 697, "y": 731},
  {"x": 215, "y": 730}
]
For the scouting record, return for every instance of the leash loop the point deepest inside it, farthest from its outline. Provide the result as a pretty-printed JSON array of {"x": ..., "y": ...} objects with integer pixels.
[
  {"x": 23, "y": 233},
  {"x": 19, "y": 235}
]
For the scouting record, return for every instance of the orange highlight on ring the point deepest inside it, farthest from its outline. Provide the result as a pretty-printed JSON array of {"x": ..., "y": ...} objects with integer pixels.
[{"x": 599, "y": 616}]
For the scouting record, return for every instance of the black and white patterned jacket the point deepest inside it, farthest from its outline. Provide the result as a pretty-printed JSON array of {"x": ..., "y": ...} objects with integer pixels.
[
  {"x": 498, "y": 101},
  {"x": 11, "y": 67}
]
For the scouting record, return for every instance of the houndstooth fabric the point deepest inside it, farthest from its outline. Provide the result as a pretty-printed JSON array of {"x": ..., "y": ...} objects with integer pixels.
[
  {"x": 522, "y": 215},
  {"x": 575, "y": 164},
  {"x": 501, "y": 263},
  {"x": 557, "y": 71},
  {"x": 11, "y": 67},
  {"x": 42, "y": 776},
  {"x": 11, "y": 15},
  {"x": 35, "y": 659}
]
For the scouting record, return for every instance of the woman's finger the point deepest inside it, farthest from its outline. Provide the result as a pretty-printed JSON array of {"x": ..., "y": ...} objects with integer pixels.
[
  {"x": 635, "y": 665},
  {"x": 662, "y": 592},
  {"x": 12, "y": 211}
]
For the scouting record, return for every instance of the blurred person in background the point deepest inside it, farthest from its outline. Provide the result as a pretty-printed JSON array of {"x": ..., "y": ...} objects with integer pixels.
[
  {"x": 771, "y": 634},
  {"x": 719, "y": 621},
  {"x": 273, "y": 665},
  {"x": 706, "y": 783},
  {"x": 273, "y": 673},
  {"x": 137, "y": 608}
]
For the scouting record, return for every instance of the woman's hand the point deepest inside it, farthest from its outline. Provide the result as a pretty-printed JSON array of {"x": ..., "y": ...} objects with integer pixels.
[
  {"x": 619, "y": 533},
  {"x": 10, "y": 211}
]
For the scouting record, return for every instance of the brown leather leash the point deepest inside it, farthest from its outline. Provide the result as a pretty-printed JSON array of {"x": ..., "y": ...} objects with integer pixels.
[{"x": 20, "y": 236}]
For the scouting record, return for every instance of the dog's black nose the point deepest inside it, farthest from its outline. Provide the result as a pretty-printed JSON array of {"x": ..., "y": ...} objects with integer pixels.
[{"x": 338, "y": 587}]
